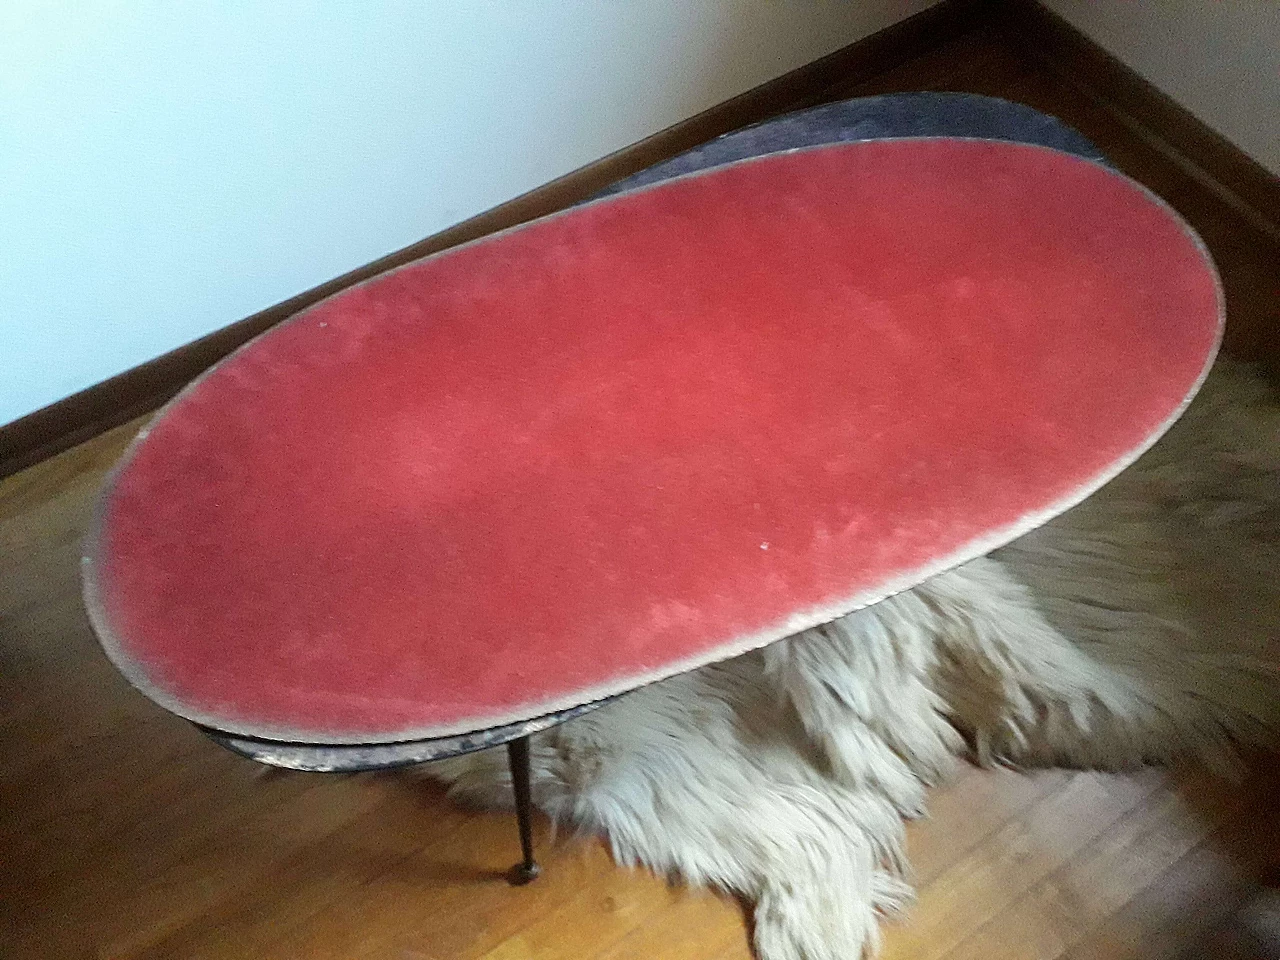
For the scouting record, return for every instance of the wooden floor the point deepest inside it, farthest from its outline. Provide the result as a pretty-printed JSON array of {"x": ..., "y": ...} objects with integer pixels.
[{"x": 124, "y": 834}]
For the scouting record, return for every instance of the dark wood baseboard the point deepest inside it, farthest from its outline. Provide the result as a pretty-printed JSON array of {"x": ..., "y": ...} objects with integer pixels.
[
  {"x": 1240, "y": 183},
  {"x": 1153, "y": 116},
  {"x": 144, "y": 388}
]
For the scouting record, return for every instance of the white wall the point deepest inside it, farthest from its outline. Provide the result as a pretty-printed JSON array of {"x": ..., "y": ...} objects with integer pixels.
[
  {"x": 168, "y": 167},
  {"x": 1218, "y": 58}
]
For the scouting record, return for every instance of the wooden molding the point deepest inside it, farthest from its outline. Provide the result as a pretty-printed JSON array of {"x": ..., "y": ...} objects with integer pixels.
[{"x": 144, "y": 388}]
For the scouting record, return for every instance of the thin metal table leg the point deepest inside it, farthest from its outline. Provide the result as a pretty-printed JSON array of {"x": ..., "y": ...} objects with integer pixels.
[{"x": 518, "y": 758}]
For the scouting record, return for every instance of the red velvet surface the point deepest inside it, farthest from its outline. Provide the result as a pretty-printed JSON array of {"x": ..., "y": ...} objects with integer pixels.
[{"x": 644, "y": 434}]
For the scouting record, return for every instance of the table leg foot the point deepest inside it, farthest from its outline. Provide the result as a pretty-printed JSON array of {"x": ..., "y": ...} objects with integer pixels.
[
  {"x": 521, "y": 874},
  {"x": 518, "y": 758}
]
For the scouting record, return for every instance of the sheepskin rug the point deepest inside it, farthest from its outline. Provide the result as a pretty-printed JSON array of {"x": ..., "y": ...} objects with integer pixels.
[{"x": 1134, "y": 629}]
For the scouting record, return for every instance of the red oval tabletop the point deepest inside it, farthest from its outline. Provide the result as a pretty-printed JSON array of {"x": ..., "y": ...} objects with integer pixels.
[{"x": 642, "y": 435}]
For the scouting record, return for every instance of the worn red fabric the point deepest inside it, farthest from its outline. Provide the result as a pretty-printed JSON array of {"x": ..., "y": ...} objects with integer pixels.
[{"x": 643, "y": 435}]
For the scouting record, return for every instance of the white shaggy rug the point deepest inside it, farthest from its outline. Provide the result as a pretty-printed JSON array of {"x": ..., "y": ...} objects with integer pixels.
[{"x": 1135, "y": 628}]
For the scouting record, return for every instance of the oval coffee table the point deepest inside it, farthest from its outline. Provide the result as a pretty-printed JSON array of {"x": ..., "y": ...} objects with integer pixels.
[{"x": 483, "y": 493}]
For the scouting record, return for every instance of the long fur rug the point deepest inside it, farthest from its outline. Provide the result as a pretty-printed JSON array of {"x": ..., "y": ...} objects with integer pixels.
[{"x": 1136, "y": 628}]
